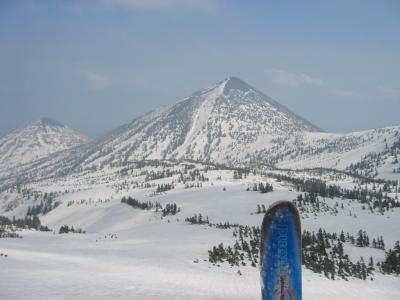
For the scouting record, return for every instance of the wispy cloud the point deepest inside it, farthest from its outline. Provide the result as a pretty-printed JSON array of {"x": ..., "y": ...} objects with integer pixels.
[
  {"x": 293, "y": 79},
  {"x": 163, "y": 4},
  {"x": 96, "y": 81},
  {"x": 345, "y": 93},
  {"x": 390, "y": 93}
]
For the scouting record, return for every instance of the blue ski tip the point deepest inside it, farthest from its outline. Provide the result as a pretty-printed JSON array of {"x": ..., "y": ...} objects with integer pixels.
[{"x": 280, "y": 253}]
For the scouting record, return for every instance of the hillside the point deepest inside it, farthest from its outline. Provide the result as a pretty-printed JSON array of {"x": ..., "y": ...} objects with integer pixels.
[
  {"x": 233, "y": 123},
  {"x": 213, "y": 124},
  {"x": 141, "y": 253},
  {"x": 229, "y": 123},
  {"x": 34, "y": 141}
]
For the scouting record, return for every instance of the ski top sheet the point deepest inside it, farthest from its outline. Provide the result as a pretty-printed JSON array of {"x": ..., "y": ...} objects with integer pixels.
[{"x": 280, "y": 253}]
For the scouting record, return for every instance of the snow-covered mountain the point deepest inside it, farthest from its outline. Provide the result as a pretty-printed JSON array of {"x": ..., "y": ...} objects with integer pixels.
[
  {"x": 53, "y": 174},
  {"x": 214, "y": 124},
  {"x": 234, "y": 123},
  {"x": 229, "y": 123},
  {"x": 368, "y": 153},
  {"x": 35, "y": 141}
]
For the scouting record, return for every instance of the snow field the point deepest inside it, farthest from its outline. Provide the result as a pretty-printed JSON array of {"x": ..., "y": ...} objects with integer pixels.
[{"x": 154, "y": 258}]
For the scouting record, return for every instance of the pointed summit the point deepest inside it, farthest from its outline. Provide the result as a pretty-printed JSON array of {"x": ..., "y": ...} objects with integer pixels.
[
  {"x": 234, "y": 83},
  {"x": 50, "y": 122},
  {"x": 229, "y": 121},
  {"x": 36, "y": 140}
]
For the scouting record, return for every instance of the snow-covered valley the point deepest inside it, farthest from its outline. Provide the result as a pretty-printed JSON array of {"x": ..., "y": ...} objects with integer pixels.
[{"x": 138, "y": 254}]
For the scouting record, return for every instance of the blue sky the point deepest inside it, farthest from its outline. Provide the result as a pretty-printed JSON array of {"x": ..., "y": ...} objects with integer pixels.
[{"x": 96, "y": 64}]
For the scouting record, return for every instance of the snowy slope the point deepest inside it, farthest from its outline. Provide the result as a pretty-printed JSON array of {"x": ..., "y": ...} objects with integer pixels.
[
  {"x": 339, "y": 151},
  {"x": 154, "y": 258},
  {"x": 233, "y": 123},
  {"x": 230, "y": 123},
  {"x": 36, "y": 140},
  {"x": 136, "y": 254},
  {"x": 212, "y": 124}
]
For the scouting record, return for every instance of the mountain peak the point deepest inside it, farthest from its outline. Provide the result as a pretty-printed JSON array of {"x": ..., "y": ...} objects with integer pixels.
[
  {"x": 36, "y": 140},
  {"x": 229, "y": 120},
  {"x": 235, "y": 83},
  {"x": 49, "y": 122}
]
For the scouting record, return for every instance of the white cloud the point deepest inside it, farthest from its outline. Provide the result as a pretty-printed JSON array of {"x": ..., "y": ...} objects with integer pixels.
[
  {"x": 293, "y": 79},
  {"x": 390, "y": 93},
  {"x": 162, "y": 4},
  {"x": 345, "y": 93},
  {"x": 96, "y": 81}
]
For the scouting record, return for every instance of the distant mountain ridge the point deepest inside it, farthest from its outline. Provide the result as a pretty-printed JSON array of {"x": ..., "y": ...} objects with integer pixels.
[
  {"x": 38, "y": 139},
  {"x": 234, "y": 123},
  {"x": 205, "y": 126},
  {"x": 229, "y": 123}
]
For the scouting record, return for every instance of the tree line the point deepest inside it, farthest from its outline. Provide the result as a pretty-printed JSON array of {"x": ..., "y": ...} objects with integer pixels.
[
  {"x": 169, "y": 209},
  {"x": 375, "y": 198},
  {"x": 66, "y": 229},
  {"x": 262, "y": 188},
  {"x": 322, "y": 252},
  {"x": 25, "y": 223}
]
